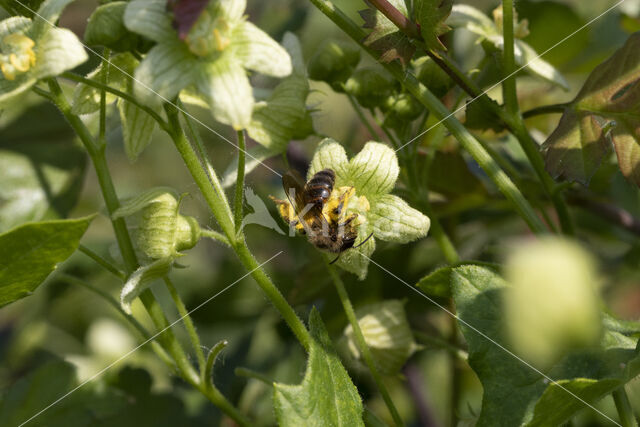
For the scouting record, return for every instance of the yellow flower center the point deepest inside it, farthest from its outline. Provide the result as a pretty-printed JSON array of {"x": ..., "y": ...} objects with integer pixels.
[
  {"x": 16, "y": 55},
  {"x": 209, "y": 35}
]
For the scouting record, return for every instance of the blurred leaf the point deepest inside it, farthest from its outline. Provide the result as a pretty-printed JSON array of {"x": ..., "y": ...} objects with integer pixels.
[
  {"x": 106, "y": 28},
  {"x": 438, "y": 282},
  {"x": 41, "y": 168},
  {"x": 326, "y": 396},
  {"x": 612, "y": 92},
  {"x": 431, "y": 15},
  {"x": 479, "y": 117},
  {"x": 30, "y": 252},
  {"x": 449, "y": 174},
  {"x": 470, "y": 18},
  {"x": 510, "y": 387},
  {"x": 385, "y": 38},
  {"x": 43, "y": 386},
  {"x": 141, "y": 279}
]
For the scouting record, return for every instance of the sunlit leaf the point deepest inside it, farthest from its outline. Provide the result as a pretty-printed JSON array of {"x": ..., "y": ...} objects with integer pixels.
[
  {"x": 609, "y": 99},
  {"x": 30, "y": 252},
  {"x": 326, "y": 396},
  {"x": 106, "y": 28}
]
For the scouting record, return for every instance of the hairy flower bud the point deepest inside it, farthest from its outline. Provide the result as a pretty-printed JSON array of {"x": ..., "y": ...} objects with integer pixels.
[
  {"x": 333, "y": 63},
  {"x": 387, "y": 334},
  {"x": 432, "y": 76},
  {"x": 369, "y": 86},
  {"x": 552, "y": 306}
]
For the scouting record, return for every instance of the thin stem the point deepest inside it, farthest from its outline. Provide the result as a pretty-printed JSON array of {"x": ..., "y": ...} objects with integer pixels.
[
  {"x": 545, "y": 109},
  {"x": 361, "y": 116},
  {"x": 103, "y": 100},
  {"x": 144, "y": 335},
  {"x": 509, "y": 89},
  {"x": 97, "y": 155},
  {"x": 362, "y": 344},
  {"x": 442, "y": 343},
  {"x": 111, "y": 268},
  {"x": 394, "y": 15},
  {"x": 212, "y": 234},
  {"x": 424, "y": 96},
  {"x": 625, "y": 412},
  {"x": 211, "y": 189},
  {"x": 99, "y": 85},
  {"x": 188, "y": 323},
  {"x": 615, "y": 214},
  {"x": 248, "y": 373},
  {"x": 239, "y": 198}
]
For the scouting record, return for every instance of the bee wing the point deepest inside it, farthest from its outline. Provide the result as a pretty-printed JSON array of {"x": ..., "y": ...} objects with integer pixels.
[{"x": 293, "y": 185}]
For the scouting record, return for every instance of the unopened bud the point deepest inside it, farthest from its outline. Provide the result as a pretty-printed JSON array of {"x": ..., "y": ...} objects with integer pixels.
[
  {"x": 333, "y": 63},
  {"x": 369, "y": 86}
]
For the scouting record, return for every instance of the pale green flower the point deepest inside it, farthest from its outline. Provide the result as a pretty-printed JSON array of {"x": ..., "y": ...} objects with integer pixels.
[
  {"x": 213, "y": 59},
  {"x": 372, "y": 173},
  {"x": 33, "y": 49}
]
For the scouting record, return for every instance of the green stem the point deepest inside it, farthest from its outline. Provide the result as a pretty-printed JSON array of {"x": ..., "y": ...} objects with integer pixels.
[
  {"x": 361, "y": 116},
  {"x": 546, "y": 109},
  {"x": 239, "y": 198},
  {"x": 103, "y": 87},
  {"x": 509, "y": 89},
  {"x": 97, "y": 155},
  {"x": 424, "y": 96},
  {"x": 188, "y": 323},
  {"x": 103, "y": 262},
  {"x": 442, "y": 343},
  {"x": 212, "y": 234},
  {"x": 103, "y": 100},
  {"x": 362, "y": 344},
  {"x": 248, "y": 373},
  {"x": 211, "y": 189},
  {"x": 625, "y": 412}
]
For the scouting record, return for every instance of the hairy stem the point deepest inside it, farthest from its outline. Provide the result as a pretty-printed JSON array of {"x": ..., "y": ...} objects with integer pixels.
[
  {"x": 545, "y": 109},
  {"x": 509, "y": 89},
  {"x": 239, "y": 198},
  {"x": 102, "y": 262},
  {"x": 625, "y": 412},
  {"x": 211, "y": 189},
  {"x": 362, "y": 344}
]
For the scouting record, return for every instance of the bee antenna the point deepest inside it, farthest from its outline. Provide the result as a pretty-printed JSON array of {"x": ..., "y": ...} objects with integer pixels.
[
  {"x": 335, "y": 259},
  {"x": 364, "y": 241}
]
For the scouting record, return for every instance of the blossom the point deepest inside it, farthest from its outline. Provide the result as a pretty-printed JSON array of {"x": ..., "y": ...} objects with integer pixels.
[
  {"x": 212, "y": 58},
  {"x": 372, "y": 173},
  {"x": 34, "y": 49}
]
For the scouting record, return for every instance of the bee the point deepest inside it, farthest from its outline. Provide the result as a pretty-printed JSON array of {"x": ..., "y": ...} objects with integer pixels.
[{"x": 312, "y": 210}]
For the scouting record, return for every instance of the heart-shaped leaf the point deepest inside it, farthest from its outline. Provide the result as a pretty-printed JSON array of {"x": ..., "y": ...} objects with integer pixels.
[{"x": 385, "y": 38}]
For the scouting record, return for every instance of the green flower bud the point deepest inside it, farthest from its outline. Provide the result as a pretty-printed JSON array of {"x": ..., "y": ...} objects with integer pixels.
[
  {"x": 552, "y": 306},
  {"x": 387, "y": 334},
  {"x": 403, "y": 106},
  {"x": 369, "y": 86},
  {"x": 432, "y": 76},
  {"x": 333, "y": 63}
]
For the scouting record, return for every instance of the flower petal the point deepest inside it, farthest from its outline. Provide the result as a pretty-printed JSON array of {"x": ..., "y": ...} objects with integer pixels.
[
  {"x": 330, "y": 155},
  {"x": 141, "y": 279},
  {"x": 164, "y": 72},
  {"x": 374, "y": 170},
  {"x": 356, "y": 260},
  {"x": 393, "y": 220},
  {"x": 232, "y": 9},
  {"x": 226, "y": 86},
  {"x": 15, "y": 24},
  {"x": 150, "y": 19},
  {"x": 259, "y": 52},
  {"x": 57, "y": 51},
  {"x": 47, "y": 15}
]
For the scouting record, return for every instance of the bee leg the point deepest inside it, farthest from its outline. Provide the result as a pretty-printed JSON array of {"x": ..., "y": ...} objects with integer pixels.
[
  {"x": 348, "y": 220},
  {"x": 363, "y": 242}
]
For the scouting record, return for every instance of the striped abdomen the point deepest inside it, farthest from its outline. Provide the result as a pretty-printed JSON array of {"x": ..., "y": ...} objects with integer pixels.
[{"x": 319, "y": 187}]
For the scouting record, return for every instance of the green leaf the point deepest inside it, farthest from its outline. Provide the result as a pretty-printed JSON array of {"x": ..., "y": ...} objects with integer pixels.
[
  {"x": 47, "y": 15},
  {"x": 385, "y": 38},
  {"x": 106, "y": 28},
  {"x": 511, "y": 388},
  {"x": 137, "y": 128},
  {"x": 254, "y": 157},
  {"x": 438, "y": 282},
  {"x": 41, "y": 168},
  {"x": 225, "y": 84},
  {"x": 141, "y": 279},
  {"x": 58, "y": 50},
  {"x": 470, "y": 18},
  {"x": 150, "y": 19},
  {"x": 610, "y": 94},
  {"x": 326, "y": 396},
  {"x": 431, "y": 15},
  {"x": 274, "y": 122},
  {"x": 30, "y": 252},
  {"x": 259, "y": 52},
  {"x": 393, "y": 220}
]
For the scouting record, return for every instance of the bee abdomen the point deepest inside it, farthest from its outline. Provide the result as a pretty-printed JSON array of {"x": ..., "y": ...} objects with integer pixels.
[{"x": 319, "y": 187}]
